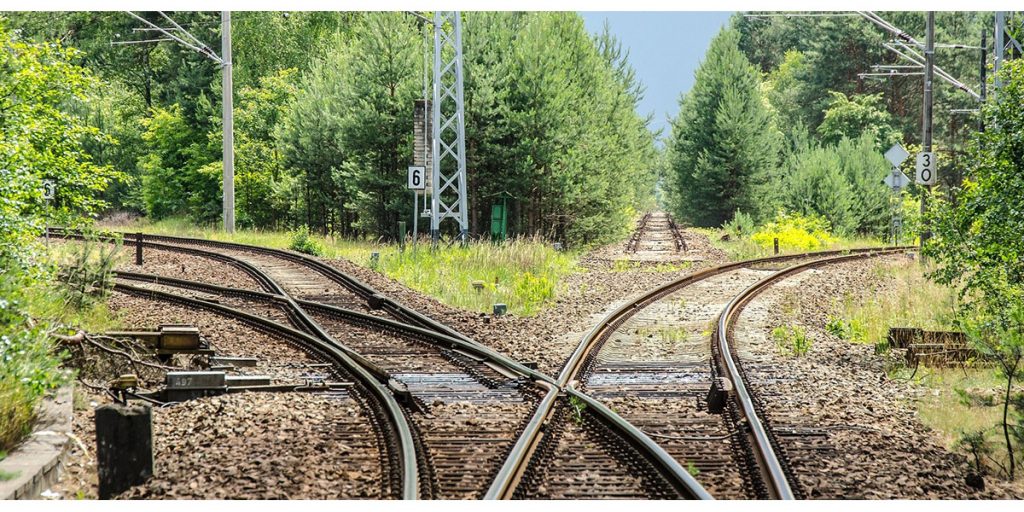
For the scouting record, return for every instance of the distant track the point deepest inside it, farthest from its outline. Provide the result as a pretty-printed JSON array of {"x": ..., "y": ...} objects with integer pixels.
[{"x": 656, "y": 233}]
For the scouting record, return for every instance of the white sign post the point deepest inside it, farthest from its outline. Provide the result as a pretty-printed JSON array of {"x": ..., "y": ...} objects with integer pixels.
[
  {"x": 49, "y": 192},
  {"x": 926, "y": 174},
  {"x": 418, "y": 184},
  {"x": 896, "y": 180}
]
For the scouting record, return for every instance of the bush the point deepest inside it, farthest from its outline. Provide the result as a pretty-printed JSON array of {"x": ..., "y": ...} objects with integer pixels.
[
  {"x": 794, "y": 231},
  {"x": 89, "y": 275},
  {"x": 741, "y": 226},
  {"x": 28, "y": 367},
  {"x": 303, "y": 242}
]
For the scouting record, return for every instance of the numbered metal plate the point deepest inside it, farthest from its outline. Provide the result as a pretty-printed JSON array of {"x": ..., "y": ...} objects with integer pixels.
[
  {"x": 926, "y": 168},
  {"x": 49, "y": 190},
  {"x": 417, "y": 177}
]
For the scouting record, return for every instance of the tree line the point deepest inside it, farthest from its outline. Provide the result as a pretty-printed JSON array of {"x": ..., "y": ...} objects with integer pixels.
[
  {"x": 323, "y": 119},
  {"x": 780, "y": 117}
]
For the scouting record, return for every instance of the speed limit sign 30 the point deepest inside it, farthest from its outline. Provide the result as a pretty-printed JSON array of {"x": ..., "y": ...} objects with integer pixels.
[{"x": 926, "y": 168}]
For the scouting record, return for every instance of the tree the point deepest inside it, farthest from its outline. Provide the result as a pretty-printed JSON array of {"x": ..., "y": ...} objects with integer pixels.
[
  {"x": 724, "y": 145},
  {"x": 977, "y": 244},
  {"x": 840, "y": 183},
  {"x": 848, "y": 118},
  {"x": 41, "y": 140}
]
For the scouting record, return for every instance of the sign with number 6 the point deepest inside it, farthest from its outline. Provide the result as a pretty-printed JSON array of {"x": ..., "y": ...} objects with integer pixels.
[
  {"x": 417, "y": 177},
  {"x": 926, "y": 168}
]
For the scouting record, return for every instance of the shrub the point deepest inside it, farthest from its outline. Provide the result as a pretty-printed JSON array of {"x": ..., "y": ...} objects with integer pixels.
[
  {"x": 795, "y": 232},
  {"x": 303, "y": 242},
  {"x": 28, "y": 368},
  {"x": 88, "y": 276},
  {"x": 741, "y": 226}
]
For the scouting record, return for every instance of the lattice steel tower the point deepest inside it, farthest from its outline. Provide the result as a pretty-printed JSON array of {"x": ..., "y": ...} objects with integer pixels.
[
  {"x": 1006, "y": 46},
  {"x": 448, "y": 183}
]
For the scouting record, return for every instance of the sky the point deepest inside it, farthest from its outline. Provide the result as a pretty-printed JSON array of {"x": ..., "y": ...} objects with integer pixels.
[{"x": 665, "y": 49}]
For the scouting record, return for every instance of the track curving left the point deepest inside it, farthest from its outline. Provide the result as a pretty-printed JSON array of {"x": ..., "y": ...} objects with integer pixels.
[{"x": 379, "y": 406}]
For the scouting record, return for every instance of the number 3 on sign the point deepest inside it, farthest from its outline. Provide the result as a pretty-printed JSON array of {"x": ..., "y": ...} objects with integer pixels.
[
  {"x": 926, "y": 168},
  {"x": 417, "y": 178}
]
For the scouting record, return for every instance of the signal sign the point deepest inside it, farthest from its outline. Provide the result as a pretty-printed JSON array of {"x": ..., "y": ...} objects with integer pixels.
[
  {"x": 417, "y": 177},
  {"x": 926, "y": 168},
  {"x": 49, "y": 190}
]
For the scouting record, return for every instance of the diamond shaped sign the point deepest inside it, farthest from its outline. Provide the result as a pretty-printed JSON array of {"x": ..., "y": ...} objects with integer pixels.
[
  {"x": 896, "y": 155},
  {"x": 897, "y": 180}
]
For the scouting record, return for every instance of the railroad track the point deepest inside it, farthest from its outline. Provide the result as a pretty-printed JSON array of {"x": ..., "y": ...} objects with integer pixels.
[
  {"x": 656, "y": 233},
  {"x": 663, "y": 391},
  {"x": 384, "y": 434},
  {"x": 582, "y": 436},
  {"x": 466, "y": 404}
]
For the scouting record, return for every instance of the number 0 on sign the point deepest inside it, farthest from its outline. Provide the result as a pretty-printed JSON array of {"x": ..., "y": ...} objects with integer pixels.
[
  {"x": 417, "y": 177},
  {"x": 926, "y": 168}
]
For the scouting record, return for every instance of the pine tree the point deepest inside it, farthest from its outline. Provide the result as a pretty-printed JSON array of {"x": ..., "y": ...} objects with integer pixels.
[{"x": 724, "y": 146}]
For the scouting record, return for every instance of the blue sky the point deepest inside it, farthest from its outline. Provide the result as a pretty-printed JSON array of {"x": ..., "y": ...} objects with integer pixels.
[{"x": 665, "y": 49}]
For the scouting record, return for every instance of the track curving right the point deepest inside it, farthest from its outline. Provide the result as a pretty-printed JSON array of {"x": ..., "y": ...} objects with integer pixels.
[{"x": 657, "y": 393}]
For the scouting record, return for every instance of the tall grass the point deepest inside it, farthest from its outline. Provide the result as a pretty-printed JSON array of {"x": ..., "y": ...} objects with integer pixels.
[
  {"x": 522, "y": 273},
  {"x": 912, "y": 300}
]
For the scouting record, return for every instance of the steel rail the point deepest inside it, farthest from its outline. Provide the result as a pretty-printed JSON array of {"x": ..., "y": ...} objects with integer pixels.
[
  {"x": 349, "y": 282},
  {"x": 355, "y": 317},
  {"x": 395, "y": 413},
  {"x": 773, "y": 473},
  {"x": 518, "y": 459}
]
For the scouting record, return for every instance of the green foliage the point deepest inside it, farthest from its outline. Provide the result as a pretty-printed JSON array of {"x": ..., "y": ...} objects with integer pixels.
[
  {"x": 177, "y": 179},
  {"x": 40, "y": 139},
  {"x": 851, "y": 330},
  {"x": 792, "y": 339},
  {"x": 841, "y": 184},
  {"x": 977, "y": 240},
  {"x": 741, "y": 226},
  {"x": 263, "y": 188},
  {"x": 860, "y": 115},
  {"x": 724, "y": 145},
  {"x": 578, "y": 406},
  {"x": 794, "y": 231},
  {"x": 28, "y": 367},
  {"x": 88, "y": 276},
  {"x": 302, "y": 242}
]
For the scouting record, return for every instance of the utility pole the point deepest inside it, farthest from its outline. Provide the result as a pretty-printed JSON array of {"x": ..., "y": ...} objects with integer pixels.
[
  {"x": 228, "y": 114},
  {"x": 984, "y": 58},
  {"x": 926, "y": 122},
  {"x": 178, "y": 34}
]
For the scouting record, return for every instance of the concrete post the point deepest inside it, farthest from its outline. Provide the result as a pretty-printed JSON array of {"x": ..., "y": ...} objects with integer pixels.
[{"x": 124, "y": 447}]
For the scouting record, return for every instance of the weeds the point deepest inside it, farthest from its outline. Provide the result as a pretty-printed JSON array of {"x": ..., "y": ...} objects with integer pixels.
[
  {"x": 851, "y": 330},
  {"x": 578, "y": 406},
  {"x": 302, "y": 242},
  {"x": 792, "y": 339},
  {"x": 692, "y": 469},
  {"x": 88, "y": 274}
]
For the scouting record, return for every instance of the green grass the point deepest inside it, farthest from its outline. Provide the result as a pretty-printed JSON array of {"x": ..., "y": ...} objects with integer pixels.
[
  {"x": 955, "y": 400},
  {"x": 522, "y": 273},
  {"x": 911, "y": 301}
]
